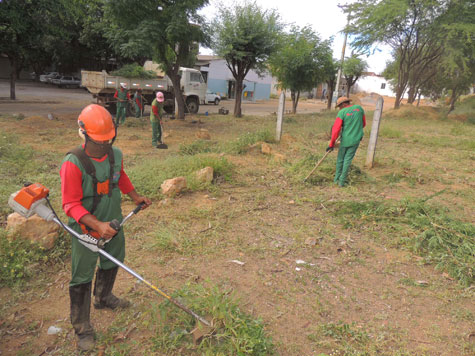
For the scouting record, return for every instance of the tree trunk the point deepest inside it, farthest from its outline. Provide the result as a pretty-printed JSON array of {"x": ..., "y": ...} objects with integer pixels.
[
  {"x": 295, "y": 100},
  {"x": 238, "y": 97},
  {"x": 330, "y": 95},
  {"x": 13, "y": 71},
  {"x": 453, "y": 99},
  {"x": 397, "y": 103},
  {"x": 175, "y": 78},
  {"x": 418, "y": 98},
  {"x": 411, "y": 95}
]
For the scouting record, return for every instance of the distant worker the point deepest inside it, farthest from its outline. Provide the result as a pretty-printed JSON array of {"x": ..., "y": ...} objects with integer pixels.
[
  {"x": 138, "y": 101},
  {"x": 324, "y": 93},
  {"x": 350, "y": 121},
  {"x": 92, "y": 181},
  {"x": 156, "y": 115},
  {"x": 122, "y": 96}
]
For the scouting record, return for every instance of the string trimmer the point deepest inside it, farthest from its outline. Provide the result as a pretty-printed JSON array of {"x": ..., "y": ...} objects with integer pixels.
[{"x": 33, "y": 199}]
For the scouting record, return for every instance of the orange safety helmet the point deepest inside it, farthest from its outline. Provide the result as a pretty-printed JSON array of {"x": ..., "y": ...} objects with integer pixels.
[{"x": 96, "y": 122}]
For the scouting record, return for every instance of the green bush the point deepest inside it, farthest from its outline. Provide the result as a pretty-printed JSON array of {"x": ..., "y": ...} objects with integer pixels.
[
  {"x": 134, "y": 71},
  {"x": 198, "y": 146}
]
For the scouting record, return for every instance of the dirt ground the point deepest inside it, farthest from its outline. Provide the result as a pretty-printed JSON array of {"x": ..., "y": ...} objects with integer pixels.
[{"x": 264, "y": 219}]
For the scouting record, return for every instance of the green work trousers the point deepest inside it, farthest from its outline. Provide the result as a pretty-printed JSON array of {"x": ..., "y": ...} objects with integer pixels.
[
  {"x": 121, "y": 112},
  {"x": 138, "y": 111},
  {"x": 343, "y": 163},
  {"x": 156, "y": 133},
  {"x": 84, "y": 261}
]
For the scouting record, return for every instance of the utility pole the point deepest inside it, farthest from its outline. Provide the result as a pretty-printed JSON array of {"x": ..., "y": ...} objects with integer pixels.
[{"x": 336, "y": 91}]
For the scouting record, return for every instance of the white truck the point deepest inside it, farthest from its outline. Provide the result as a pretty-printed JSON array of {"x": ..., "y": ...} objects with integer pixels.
[{"x": 103, "y": 86}]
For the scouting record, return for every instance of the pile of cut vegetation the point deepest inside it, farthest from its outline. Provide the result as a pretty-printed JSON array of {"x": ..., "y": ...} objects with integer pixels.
[
  {"x": 414, "y": 112},
  {"x": 134, "y": 71}
]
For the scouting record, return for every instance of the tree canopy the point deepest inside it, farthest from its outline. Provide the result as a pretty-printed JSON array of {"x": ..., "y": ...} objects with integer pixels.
[
  {"x": 245, "y": 35},
  {"x": 299, "y": 63},
  {"x": 353, "y": 68}
]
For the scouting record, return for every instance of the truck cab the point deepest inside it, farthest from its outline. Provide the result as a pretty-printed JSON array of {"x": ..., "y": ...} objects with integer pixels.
[{"x": 193, "y": 87}]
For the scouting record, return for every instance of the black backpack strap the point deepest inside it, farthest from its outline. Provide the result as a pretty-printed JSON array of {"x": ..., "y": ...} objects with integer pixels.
[{"x": 91, "y": 170}]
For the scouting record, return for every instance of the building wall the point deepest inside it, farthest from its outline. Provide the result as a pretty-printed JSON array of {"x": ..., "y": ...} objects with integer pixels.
[
  {"x": 373, "y": 84},
  {"x": 219, "y": 76}
]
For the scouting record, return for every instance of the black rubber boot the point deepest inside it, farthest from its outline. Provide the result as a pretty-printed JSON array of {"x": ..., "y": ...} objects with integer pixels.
[
  {"x": 103, "y": 290},
  {"x": 80, "y": 297},
  {"x": 162, "y": 146}
]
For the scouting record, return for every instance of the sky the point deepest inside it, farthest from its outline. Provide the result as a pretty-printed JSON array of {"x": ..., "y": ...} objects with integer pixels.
[{"x": 324, "y": 16}]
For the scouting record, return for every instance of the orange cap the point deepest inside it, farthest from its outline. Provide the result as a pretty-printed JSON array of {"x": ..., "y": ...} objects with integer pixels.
[{"x": 96, "y": 122}]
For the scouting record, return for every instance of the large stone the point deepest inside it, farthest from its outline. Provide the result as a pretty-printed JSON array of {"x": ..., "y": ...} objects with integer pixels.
[
  {"x": 266, "y": 149},
  {"x": 205, "y": 175},
  {"x": 35, "y": 229},
  {"x": 203, "y": 134},
  {"x": 173, "y": 186}
]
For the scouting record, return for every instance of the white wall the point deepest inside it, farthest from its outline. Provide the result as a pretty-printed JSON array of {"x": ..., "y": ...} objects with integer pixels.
[
  {"x": 372, "y": 84},
  {"x": 219, "y": 70}
]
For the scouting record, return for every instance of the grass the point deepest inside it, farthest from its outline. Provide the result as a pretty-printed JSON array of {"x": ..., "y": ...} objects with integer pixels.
[
  {"x": 237, "y": 333},
  {"x": 426, "y": 229},
  {"x": 21, "y": 260},
  {"x": 149, "y": 175}
]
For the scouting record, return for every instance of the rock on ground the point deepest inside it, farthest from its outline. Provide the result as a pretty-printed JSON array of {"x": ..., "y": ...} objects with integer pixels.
[
  {"x": 173, "y": 186},
  {"x": 266, "y": 149},
  {"x": 203, "y": 134},
  {"x": 35, "y": 229},
  {"x": 205, "y": 175}
]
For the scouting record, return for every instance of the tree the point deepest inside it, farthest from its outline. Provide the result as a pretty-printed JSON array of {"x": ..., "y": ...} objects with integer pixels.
[
  {"x": 330, "y": 70},
  {"x": 167, "y": 31},
  {"x": 245, "y": 36},
  {"x": 353, "y": 68},
  {"x": 299, "y": 61},
  {"x": 458, "y": 61},
  {"x": 408, "y": 26},
  {"x": 22, "y": 24}
]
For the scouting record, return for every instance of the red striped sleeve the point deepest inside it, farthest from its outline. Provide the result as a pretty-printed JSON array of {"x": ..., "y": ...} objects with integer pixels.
[
  {"x": 125, "y": 185},
  {"x": 364, "y": 121}
]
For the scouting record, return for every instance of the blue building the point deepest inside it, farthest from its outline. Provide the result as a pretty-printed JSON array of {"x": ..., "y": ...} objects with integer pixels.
[{"x": 221, "y": 81}]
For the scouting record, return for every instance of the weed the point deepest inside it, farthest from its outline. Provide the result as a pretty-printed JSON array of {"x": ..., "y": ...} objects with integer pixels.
[
  {"x": 20, "y": 259},
  {"x": 236, "y": 332},
  {"x": 149, "y": 175},
  {"x": 243, "y": 143},
  {"x": 198, "y": 146},
  {"x": 389, "y": 133},
  {"x": 425, "y": 229}
]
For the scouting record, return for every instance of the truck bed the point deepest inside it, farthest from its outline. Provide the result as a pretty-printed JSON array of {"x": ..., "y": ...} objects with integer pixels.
[{"x": 102, "y": 82}]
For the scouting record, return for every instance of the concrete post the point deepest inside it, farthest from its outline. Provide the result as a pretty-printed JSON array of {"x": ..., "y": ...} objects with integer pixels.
[
  {"x": 280, "y": 116},
  {"x": 373, "y": 138}
]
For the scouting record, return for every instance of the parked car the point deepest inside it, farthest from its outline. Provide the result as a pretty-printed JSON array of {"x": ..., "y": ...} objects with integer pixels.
[
  {"x": 212, "y": 97},
  {"x": 67, "y": 81},
  {"x": 50, "y": 80},
  {"x": 44, "y": 77}
]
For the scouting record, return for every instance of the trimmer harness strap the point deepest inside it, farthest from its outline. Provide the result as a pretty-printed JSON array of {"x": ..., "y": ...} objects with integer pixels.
[{"x": 99, "y": 188}]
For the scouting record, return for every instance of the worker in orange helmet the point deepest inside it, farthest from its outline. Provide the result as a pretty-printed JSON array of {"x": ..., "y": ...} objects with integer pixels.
[{"x": 92, "y": 180}]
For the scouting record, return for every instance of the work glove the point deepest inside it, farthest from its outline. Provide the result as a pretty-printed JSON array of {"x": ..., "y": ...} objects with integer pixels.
[{"x": 329, "y": 149}]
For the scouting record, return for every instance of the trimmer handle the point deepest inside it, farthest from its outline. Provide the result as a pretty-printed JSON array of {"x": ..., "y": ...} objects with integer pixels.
[
  {"x": 139, "y": 207},
  {"x": 115, "y": 224}
]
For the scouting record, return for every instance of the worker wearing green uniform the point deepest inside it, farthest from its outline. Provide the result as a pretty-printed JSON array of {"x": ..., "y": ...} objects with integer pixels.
[
  {"x": 122, "y": 96},
  {"x": 156, "y": 115},
  {"x": 138, "y": 102},
  {"x": 350, "y": 121},
  {"x": 92, "y": 180}
]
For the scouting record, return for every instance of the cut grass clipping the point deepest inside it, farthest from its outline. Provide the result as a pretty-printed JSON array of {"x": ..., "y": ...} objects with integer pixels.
[
  {"x": 425, "y": 229},
  {"x": 236, "y": 333}
]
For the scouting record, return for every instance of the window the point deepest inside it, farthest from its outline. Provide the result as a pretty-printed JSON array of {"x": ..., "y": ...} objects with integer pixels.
[
  {"x": 383, "y": 85},
  {"x": 195, "y": 77}
]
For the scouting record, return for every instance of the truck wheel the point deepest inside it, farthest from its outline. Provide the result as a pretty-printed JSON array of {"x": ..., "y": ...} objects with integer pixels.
[
  {"x": 130, "y": 110},
  {"x": 216, "y": 101},
  {"x": 193, "y": 105},
  {"x": 112, "y": 108}
]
